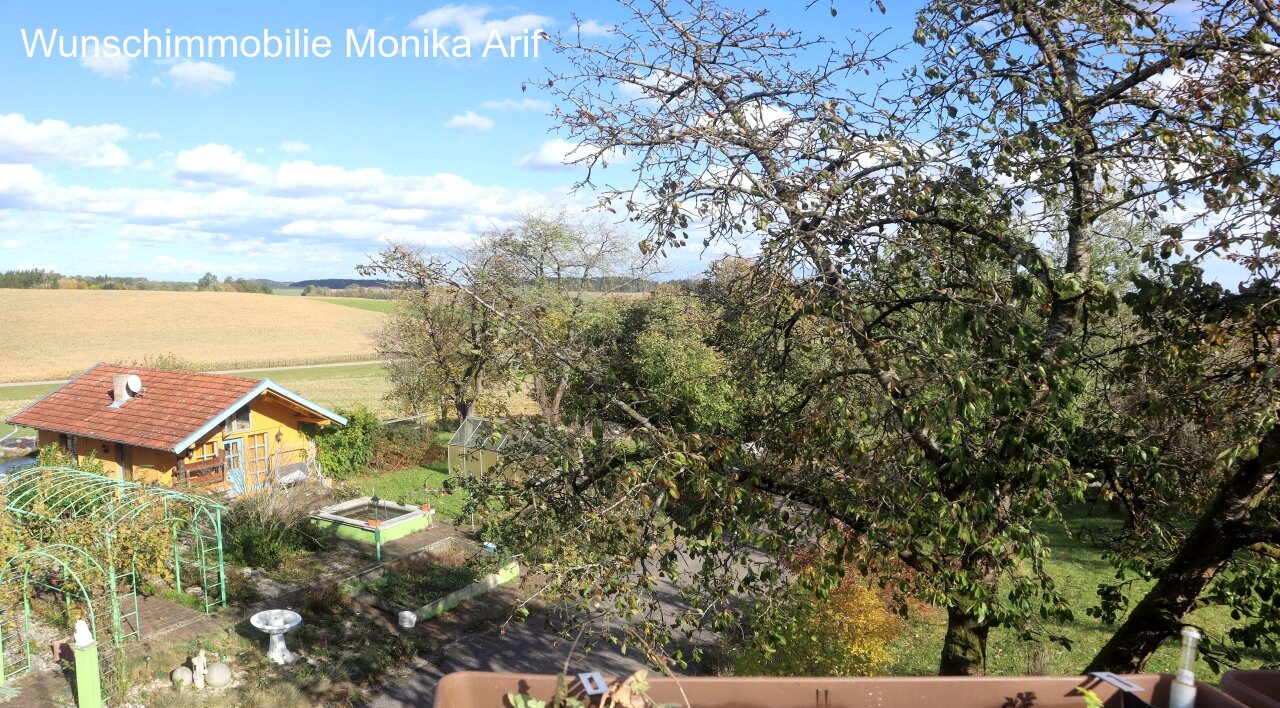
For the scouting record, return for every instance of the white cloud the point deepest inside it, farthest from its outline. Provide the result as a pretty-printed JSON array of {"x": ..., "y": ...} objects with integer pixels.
[
  {"x": 13, "y": 243},
  {"x": 200, "y": 77},
  {"x": 108, "y": 66},
  {"x": 295, "y": 146},
  {"x": 217, "y": 164},
  {"x": 593, "y": 28},
  {"x": 512, "y": 104},
  {"x": 470, "y": 120},
  {"x": 303, "y": 177},
  {"x": 19, "y": 184},
  {"x": 473, "y": 21},
  {"x": 221, "y": 207},
  {"x": 57, "y": 141},
  {"x": 561, "y": 154},
  {"x": 169, "y": 264}
]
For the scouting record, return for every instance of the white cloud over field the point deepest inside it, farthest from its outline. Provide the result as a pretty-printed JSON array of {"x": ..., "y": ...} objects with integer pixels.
[
  {"x": 22, "y": 141},
  {"x": 205, "y": 205}
]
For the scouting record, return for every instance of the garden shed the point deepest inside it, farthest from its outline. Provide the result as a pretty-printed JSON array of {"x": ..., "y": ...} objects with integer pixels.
[
  {"x": 476, "y": 447},
  {"x": 181, "y": 428}
]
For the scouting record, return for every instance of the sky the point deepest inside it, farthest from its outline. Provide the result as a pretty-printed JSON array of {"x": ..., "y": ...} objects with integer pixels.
[{"x": 289, "y": 168}]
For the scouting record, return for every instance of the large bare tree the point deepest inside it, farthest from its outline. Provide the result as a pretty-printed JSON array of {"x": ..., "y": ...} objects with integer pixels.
[{"x": 926, "y": 244}]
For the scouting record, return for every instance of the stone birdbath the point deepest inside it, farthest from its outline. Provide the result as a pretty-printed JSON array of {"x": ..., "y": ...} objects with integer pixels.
[{"x": 275, "y": 623}]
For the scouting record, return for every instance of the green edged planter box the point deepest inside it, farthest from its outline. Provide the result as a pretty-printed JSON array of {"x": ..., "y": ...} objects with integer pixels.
[
  {"x": 504, "y": 575},
  {"x": 357, "y": 585},
  {"x": 362, "y": 521}
]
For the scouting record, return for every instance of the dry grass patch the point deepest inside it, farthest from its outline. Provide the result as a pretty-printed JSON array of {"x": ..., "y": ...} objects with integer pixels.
[{"x": 59, "y": 333}]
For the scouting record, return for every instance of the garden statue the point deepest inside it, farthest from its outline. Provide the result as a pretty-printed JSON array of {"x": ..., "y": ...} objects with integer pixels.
[
  {"x": 199, "y": 666},
  {"x": 82, "y": 637}
]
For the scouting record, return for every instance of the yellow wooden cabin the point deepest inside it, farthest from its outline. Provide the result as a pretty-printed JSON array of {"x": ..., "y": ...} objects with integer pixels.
[{"x": 164, "y": 427}]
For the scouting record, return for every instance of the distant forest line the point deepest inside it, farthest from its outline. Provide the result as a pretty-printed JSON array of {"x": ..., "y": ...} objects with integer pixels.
[{"x": 39, "y": 279}]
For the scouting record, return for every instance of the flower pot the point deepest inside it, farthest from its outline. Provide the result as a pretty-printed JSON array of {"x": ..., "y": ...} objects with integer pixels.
[
  {"x": 1256, "y": 689},
  {"x": 475, "y": 689}
]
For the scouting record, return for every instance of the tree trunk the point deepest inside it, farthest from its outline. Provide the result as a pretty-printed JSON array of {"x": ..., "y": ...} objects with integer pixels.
[
  {"x": 964, "y": 651},
  {"x": 1221, "y": 531},
  {"x": 466, "y": 408}
]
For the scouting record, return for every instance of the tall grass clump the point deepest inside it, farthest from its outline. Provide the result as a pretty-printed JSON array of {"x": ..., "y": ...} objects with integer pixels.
[{"x": 262, "y": 529}]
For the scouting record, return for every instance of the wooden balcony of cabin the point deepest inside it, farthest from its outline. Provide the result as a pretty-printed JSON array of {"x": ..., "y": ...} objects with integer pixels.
[{"x": 203, "y": 472}]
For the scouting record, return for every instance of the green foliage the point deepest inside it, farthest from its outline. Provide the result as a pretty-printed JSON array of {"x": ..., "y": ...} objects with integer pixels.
[
  {"x": 416, "y": 582},
  {"x": 402, "y": 446},
  {"x": 1091, "y": 699},
  {"x": 55, "y": 455},
  {"x": 42, "y": 279},
  {"x": 343, "y": 451},
  {"x": 29, "y": 279},
  {"x": 183, "y": 598},
  {"x": 674, "y": 361},
  {"x": 261, "y": 530}
]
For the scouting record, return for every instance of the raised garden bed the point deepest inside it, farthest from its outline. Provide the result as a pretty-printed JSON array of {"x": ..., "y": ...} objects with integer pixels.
[{"x": 440, "y": 578}]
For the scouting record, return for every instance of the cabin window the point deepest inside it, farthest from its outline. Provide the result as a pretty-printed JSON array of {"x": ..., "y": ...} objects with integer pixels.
[
  {"x": 207, "y": 451},
  {"x": 239, "y": 420}
]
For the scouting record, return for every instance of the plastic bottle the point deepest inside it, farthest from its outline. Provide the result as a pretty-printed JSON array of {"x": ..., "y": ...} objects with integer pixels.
[{"x": 1182, "y": 693}]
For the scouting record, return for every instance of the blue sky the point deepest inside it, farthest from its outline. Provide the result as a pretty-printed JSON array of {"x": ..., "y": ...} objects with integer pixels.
[{"x": 284, "y": 168}]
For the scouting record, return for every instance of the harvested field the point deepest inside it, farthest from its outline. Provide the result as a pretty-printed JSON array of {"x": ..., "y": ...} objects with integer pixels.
[{"x": 56, "y": 334}]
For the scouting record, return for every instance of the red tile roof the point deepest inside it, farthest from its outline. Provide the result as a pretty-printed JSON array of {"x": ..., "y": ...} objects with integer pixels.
[{"x": 171, "y": 406}]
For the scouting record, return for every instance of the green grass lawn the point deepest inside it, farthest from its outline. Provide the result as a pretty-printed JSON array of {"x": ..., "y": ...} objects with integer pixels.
[
  {"x": 26, "y": 392},
  {"x": 5, "y": 429},
  {"x": 1078, "y": 569},
  {"x": 286, "y": 291},
  {"x": 362, "y": 303},
  {"x": 409, "y": 487},
  {"x": 318, "y": 373}
]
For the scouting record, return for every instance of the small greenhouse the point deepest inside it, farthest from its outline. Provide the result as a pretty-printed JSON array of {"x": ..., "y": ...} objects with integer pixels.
[{"x": 476, "y": 447}]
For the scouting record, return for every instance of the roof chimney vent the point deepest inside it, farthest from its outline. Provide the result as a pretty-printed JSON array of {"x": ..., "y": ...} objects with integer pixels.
[{"x": 126, "y": 386}]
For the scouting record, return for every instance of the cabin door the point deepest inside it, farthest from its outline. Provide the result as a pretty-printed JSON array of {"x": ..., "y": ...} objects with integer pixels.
[{"x": 233, "y": 456}]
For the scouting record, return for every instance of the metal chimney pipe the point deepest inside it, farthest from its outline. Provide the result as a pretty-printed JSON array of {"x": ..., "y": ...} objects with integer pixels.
[{"x": 121, "y": 386}]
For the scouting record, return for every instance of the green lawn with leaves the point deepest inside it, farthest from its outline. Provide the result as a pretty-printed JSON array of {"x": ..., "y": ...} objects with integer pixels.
[
  {"x": 410, "y": 486},
  {"x": 1077, "y": 568}
]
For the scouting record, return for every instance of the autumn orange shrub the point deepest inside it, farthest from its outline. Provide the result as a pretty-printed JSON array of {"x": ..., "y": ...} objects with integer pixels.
[{"x": 847, "y": 633}]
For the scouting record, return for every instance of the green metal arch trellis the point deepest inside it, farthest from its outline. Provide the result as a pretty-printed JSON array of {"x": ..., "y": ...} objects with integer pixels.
[
  {"x": 57, "y": 493},
  {"x": 60, "y": 559}
]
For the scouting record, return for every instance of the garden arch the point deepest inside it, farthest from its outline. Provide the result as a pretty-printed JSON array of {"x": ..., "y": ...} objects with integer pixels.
[
  {"x": 43, "y": 496},
  {"x": 66, "y": 571}
]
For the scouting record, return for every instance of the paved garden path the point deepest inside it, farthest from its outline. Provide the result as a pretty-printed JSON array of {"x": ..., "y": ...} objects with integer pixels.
[
  {"x": 526, "y": 647},
  {"x": 523, "y": 647}
]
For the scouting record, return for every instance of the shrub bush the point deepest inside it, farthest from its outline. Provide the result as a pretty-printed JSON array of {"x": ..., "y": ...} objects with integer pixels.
[
  {"x": 846, "y": 634},
  {"x": 399, "y": 446},
  {"x": 262, "y": 529},
  {"x": 344, "y": 451}
]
